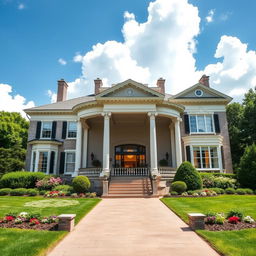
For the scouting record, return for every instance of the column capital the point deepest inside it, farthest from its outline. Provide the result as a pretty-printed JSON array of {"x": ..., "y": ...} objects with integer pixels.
[
  {"x": 152, "y": 114},
  {"x": 106, "y": 114},
  {"x": 179, "y": 119}
]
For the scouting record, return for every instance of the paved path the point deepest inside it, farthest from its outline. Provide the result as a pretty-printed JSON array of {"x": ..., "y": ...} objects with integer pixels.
[{"x": 132, "y": 227}]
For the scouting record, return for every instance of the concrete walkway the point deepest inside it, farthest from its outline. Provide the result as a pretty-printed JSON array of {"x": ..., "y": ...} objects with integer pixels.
[{"x": 122, "y": 227}]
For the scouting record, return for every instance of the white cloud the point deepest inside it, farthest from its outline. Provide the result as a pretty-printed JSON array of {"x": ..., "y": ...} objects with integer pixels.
[
  {"x": 209, "y": 17},
  {"x": 52, "y": 95},
  {"x": 78, "y": 57},
  {"x": 21, "y": 6},
  {"x": 13, "y": 103},
  {"x": 62, "y": 61}
]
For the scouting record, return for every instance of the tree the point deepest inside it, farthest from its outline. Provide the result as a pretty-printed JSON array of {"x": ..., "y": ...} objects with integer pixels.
[
  {"x": 235, "y": 112},
  {"x": 247, "y": 172}
]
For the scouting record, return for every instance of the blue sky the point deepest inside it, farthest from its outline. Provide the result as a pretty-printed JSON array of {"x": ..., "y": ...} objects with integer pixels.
[{"x": 39, "y": 40}]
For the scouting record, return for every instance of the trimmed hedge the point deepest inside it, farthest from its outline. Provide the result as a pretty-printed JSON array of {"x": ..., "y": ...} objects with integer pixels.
[
  {"x": 228, "y": 175},
  {"x": 81, "y": 184},
  {"x": 5, "y": 191},
  {"x": 187, "y": 173},
  {"x": 21, "y": 179},
  {"x": 32, "y": 192},
  {"x": 18, "y": 192},
  {"x": 230, "y": 191},
  {"x": 179, "y": 186},
  {"x": 64, "y": 188}
]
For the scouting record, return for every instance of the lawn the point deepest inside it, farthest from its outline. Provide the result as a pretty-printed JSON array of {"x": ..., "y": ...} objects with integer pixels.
[
  {"x": 30, "y": 242},
  {"x": 231, "y": 243}
]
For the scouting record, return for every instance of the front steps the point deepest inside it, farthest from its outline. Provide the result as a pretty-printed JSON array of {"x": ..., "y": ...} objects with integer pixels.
[{"x": 127, "y": 187}]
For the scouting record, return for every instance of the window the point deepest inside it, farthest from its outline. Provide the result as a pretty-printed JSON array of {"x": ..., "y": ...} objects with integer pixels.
[
  {"x": 206, "y": 157},
  {"x": 33, "y": 161},
  {"x": 72, "y": 128},
  {"x": 70, "y": 161},
  {"x": 201, "y": 123},
  {"x": 43, "y": 161},
  {"x": 46, "y": 130},
  {"x": 199, "y": 93}
]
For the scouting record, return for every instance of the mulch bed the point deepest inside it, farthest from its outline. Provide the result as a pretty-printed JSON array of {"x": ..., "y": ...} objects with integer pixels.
[
  {"x": 25, "y": 225},
  {"x": 228, "y": 226}
]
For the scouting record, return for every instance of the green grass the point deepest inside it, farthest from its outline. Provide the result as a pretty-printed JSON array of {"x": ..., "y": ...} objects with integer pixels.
[
  {"x": 15, "y": 242},
  {"x": 231, "y": 243}
]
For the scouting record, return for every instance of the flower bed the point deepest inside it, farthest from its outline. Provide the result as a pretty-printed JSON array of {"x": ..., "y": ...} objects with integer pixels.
[
  {"x": 233, "y": 221},
  {"x": 25, "y": 220}
]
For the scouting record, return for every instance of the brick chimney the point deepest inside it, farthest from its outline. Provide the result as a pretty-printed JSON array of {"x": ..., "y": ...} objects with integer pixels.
[
  {"x": 204, "y": 80},
  {"x": 160, "y": 84},
  {"x": 62, "y": 90},
  {"x": 97, "y": 85}
]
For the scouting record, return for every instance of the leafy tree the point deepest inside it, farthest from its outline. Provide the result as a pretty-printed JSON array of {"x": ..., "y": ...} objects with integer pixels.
[{"x": 247, "y": 172}]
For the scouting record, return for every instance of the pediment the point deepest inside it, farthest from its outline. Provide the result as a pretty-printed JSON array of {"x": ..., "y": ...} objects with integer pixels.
[
  {"x": 129, "y": 89},
  {"x": 199, "y": 91}
]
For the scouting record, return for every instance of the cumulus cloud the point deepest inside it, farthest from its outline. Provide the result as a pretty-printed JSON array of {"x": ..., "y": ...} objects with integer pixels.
[
  {"x": 209, "y": 17},
  {"x": 62, "y": 61},
  {"x": 13, "y": 103},
  {"x": 52, "y": 95},
  {"x": 164, "y": 46}
]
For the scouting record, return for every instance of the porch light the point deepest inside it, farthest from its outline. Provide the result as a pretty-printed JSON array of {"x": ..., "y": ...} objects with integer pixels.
[
  {"x": 167, "y": 156},
  {"x": 92, "y": 156}
]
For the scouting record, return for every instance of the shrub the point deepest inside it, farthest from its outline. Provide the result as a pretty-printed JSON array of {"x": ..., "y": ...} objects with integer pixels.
[
  {"x": 248, "y": 191},
  {"x": 216, "y": 190},
  {"x": 247, "y": 172},
  {"x": 18, "y": 192},
  {"x": 48, "y": 183},
  {"x": 21, "y": 179},
  {"x": 249, "y": 219},
  {"x": 224, "y": 182},
  {"x": 230, "y": 191},
  {"x": 220, "y": 219},
  {"x": 235, "y": 213},
  {"x": 178, "y": 186},
  {"x": 190, "y": 192},
  {"x": 96, "y": 163},
  {"x": 240, "y": 191},
  {"x": 207, "y": 179},
  {"x": 66, "y": 188},
  {"x": 5, "y": 191},
  {"x": 210, "y": 220},
  {"x": 42, "y": 192},
  {"x": 233, "y": 220},
  {"x": 163, "y": 162},
  {"x": 174, "y": 193},
  {"x": 32, "y": 192},
  {"x": 81, "y": 184},
  {"x": 187, "y": 173}
]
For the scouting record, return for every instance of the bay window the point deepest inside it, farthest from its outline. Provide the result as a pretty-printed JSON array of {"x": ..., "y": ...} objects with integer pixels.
[
  {"x": 201, "y": 123},
  {"x": 43, "y": 161}
]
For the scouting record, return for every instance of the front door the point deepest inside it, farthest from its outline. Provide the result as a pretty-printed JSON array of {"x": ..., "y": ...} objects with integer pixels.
[{"x": 130, "y": 156}]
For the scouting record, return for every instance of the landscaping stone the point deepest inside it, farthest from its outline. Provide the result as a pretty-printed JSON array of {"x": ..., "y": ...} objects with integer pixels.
[
  {"x": 196, "y": 220},
  {"x": 66, "y": 222}
]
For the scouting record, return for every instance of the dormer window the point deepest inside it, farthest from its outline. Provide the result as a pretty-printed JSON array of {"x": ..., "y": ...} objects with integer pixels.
[
  {"x": 201, "y": 123},
  {"x": 46, "y": 130}
]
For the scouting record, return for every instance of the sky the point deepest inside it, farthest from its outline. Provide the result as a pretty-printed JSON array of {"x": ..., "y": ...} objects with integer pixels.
[{"x": 180, "y": 40}]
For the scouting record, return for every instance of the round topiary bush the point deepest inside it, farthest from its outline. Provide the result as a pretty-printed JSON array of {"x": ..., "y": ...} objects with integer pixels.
[
  {"x": 32, "y": 192},
  {"x": 187, "y": 173},
  {"x": 179, "y": 186},
  {"x": 247, "y": 173},
  {"x": 248, "y": 191},
  {"x": 240, "y": 191},
  {"x": 81, "y": 184},
  {"x": 230, "y": 191}
]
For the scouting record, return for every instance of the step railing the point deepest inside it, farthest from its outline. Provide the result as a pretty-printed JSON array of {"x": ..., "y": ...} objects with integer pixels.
[
  {"x": 90, "y": 172},
  {"x": 137, "y": 171}
]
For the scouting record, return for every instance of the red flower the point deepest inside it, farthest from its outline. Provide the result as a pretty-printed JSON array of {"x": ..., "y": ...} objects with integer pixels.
[
  {"x": 233, "y": 219},
  {"x": 34, "y": 221},
  {"x": 9, "y": 218}
]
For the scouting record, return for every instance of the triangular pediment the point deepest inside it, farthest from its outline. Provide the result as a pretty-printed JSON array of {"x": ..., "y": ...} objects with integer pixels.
[
  {"x": 129, "y": 89},
  {"x": 200, "y": 91}
]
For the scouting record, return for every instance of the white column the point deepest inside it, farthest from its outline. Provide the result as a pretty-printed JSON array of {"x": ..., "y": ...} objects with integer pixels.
[
  {"x": 153, "y": 144},
  {"x": 106, "y": 143},
  {"x": 178, "y": 142},
  {"x": 220, "y": 158},
  {"x": 85, "y": 144},
  {"x": 172, "y": 137},
  {"x": 78, "y": 147}
]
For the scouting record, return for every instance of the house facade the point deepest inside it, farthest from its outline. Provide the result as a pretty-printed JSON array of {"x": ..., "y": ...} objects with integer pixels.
[{"x": 130, "y": 129}]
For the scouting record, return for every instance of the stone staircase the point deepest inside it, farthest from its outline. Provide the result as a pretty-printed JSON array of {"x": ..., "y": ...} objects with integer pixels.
[{"x": 124, "y": 187}]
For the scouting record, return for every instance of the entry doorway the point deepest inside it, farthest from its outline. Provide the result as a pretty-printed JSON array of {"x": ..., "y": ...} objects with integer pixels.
[{"x": 130, "y": 156}]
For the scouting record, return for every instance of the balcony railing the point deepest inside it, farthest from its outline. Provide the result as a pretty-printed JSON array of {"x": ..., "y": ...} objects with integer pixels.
[
  {"x": 130, "y": 171},
  {"x": 167, "y": 172},
  {"x": 90, "y": 172}
]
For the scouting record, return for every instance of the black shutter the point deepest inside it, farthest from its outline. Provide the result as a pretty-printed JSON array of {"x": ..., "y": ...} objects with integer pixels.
[
  {"x": 188, "y": 154},
  {"x": 222, "y": 157},
  {"x": 216, "y": 123},
  {"x": 64, "y": 130},
  {"x": 186, "y": 120},
  {"x": 52, "y": 160},
  {"x": 62, "y": 162},
  {"x": 38, "y": 129},
  {"x": 54, "y": 125}
]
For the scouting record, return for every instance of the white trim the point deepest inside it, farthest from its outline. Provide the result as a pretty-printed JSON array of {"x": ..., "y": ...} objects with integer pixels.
[
  {"x": 129, "y": 108},
  {"x": 208, "y": 140},
  {"x": 69, "y": 151},
  {"x": 51, "y": 118},
  {"x": 204, "y": 109}
]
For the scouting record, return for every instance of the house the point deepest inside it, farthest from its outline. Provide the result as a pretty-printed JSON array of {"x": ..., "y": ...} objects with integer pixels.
[{"x": 130, "y": 129}]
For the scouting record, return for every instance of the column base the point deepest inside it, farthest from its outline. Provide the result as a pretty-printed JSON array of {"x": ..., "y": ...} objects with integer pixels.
[
  {"x": 75, "y": 174},
  {"x": 105, "y": 173}
]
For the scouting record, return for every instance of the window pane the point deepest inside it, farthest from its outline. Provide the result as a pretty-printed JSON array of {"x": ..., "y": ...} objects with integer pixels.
[
  {"x": 200, "y": 123},
  {"x": 42, "y": 163},
  {"x": 209, "y": 123},
  {"x": 70, "y": 167},
  {"x": 70, "y": 161},
  {"x": 72, "y": 128},
  {"x": 205, "y": 157},
  {"x": 46, "y": 130},
  {"x": 214, "y": 157},
  {"x": 196, "y": 153},
  {"x": 192, "y": 124}
]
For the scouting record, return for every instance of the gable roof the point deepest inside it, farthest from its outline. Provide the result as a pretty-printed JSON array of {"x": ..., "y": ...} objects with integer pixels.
[{"x": 132, "y": 83}]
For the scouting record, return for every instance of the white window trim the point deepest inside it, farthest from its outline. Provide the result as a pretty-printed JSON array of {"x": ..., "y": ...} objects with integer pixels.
[
  {"x": 71, "y": 138},
  {"x": 41, "y": 133},
  {"x": 197, "y": 132},
  {"x": 68, "y": 151}
]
